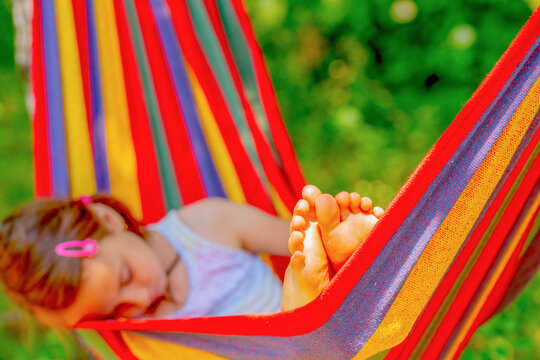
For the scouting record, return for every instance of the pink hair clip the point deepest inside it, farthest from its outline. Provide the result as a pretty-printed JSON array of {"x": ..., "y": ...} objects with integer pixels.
[
  {"x": 86, "y": 200},
  {"x": 77, "y": 248}
]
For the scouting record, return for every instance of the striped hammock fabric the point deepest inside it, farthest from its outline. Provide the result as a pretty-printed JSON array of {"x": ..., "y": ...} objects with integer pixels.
[
  {"x": 164, "y": 102},
  {"x": 127, "y": 107}
]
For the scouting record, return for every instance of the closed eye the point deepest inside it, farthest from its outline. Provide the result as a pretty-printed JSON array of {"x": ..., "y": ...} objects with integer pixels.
[{"x": 125, "y": 275}]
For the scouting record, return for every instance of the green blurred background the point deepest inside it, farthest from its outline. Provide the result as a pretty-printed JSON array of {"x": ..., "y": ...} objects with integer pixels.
[{"x": 365, "y": 87}]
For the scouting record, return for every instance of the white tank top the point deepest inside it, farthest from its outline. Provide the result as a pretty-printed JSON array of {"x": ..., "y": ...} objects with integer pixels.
[{"x": 222, "y": 280}]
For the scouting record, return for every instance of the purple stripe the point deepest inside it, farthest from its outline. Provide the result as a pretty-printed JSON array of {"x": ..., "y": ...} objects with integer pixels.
[
  {"x": 55, "y": 105},
  {"x": 362, "y": 311},
  {"x": 98, "y": 119},
  {"x": 211, "y": 180}
]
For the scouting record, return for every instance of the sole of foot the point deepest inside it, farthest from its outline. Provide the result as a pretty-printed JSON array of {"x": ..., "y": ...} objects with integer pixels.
[
  {"x": 309, "y": 270},
  {"x": 344, "y": 221}
]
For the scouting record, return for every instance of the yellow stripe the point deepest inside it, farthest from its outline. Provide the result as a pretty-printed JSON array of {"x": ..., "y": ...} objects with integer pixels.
[
  {"x": 79, "y": 149},
  {"x": 440, "y": 252},
  {"x": 280, "y": 207},
  {"x": 145, "y": 348},
  {"x": 216, "y": 144},
  {"x": 219, "y": 151},
  {"x": 120, "y": 147},
  {"x": 486, "y": 291},
  {"x": 456, "y": 287}
]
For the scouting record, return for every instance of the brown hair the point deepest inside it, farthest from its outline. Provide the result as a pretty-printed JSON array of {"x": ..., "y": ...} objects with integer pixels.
[{"x": 32, "y": 273}]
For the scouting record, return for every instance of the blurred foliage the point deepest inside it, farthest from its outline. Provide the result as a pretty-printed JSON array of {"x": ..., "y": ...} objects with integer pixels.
[
  {"x": 365, "y": 87},
  {"x": 7, "y": 59},
  {"x": 365, "y": 97}
]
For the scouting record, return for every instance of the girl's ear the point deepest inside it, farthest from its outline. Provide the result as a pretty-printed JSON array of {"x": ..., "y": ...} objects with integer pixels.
[{"x": 109, "y": 218}]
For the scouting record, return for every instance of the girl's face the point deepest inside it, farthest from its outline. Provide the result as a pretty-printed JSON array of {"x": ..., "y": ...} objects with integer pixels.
[{"x": 124, "y": 280}]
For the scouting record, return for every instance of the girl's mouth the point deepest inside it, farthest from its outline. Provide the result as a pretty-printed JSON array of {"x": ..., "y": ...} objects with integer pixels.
[{"x": 154, "y": 305}]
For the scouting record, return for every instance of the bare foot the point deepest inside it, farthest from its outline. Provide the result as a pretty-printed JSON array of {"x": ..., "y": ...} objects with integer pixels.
[
  {"x": 344, "y": 222},
  {"x": 323, "y": 229},
  {"x": 308, "y": 271}
]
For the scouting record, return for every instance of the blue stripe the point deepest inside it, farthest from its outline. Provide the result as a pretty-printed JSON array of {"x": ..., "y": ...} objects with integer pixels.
[
  {"x": 55, "y": 105},
  {"x": 103, "y": 182},
  {"x": 173, "y": 53},
  {"x": 212, "y": 49}
]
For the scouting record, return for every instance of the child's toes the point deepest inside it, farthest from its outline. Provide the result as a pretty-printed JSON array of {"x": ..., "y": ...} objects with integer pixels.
[
  {"x": 301, "y": 208},
  {"x": 366, "y": 205},
  {"x": 296, "y": 241},
  {"x": 356, "y": 200},
  {"x": 378, "y": 212},
  {"x": 344, "y": 200},
  {"x": 298, "y": 261},
  {"x": 309, "y": 194},
  {"x": 298, "y": 223},
  {"x": 328, "y": 216}
]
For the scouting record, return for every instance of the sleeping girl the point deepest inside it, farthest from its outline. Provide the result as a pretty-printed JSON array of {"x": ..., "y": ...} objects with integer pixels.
[{"x": 88, "y": 259}]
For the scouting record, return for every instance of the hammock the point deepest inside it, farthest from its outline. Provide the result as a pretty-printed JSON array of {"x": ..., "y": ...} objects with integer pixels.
[{"x": 163, "y": 102}]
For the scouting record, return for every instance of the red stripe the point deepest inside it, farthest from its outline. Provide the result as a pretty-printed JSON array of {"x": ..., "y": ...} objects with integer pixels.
[
  {"x": 499, "y": 291},
  {"x": 297, "y": 322},
  {"x": 529, "y": 262},
  {"x": 406, "y": 347},
  {"x": 192, "y": 48},
  {"x": 187, "y": 171},
  {"x": 251, "y": 184},
  {"x": 264, "y": 151},
  {"x": 81, "y": 28},
  {"x": 150, "y": 187},
  {"x": 277, "y": 128},
  {"x": 40, "y": 139},
  {"x": 264, "y": 201},
  {"x": 254, "y": 189},
  {"x": 280, "y": 184},
  {"x": 274, "y": 174},
  {"x": 484, "y": 262}
]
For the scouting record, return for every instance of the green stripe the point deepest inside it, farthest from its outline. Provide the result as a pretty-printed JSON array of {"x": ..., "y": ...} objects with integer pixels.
[
  {"x": 94, "y": 341},
  {"x": 435, "y": 322},
  {"x": 170, "y": 187},
  {"x": 207, "y": 39},
  {"x": 532, "y": 234},
  {"x": 242, "y": 57}
]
